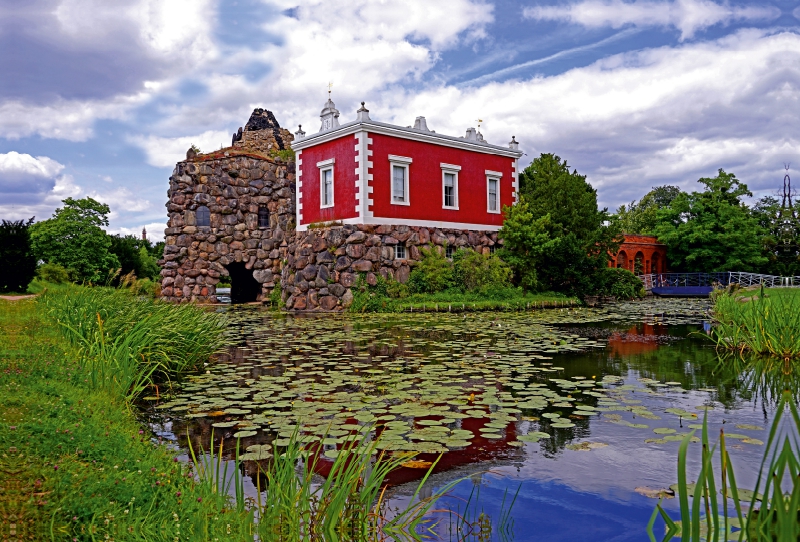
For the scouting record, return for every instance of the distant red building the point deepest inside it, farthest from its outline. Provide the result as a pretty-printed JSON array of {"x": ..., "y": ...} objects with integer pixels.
[
  {"x": 372, "y": 173},
  {"x": 641, "y": 255}
]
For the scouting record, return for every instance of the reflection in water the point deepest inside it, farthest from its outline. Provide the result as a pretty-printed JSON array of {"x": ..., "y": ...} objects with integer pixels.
[{"x": 484, "y": 388}]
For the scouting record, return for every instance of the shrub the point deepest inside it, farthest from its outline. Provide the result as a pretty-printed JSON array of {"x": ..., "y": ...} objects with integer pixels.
[
  {"x": 473, "y": 271},
  {"x": 52, "y": 272},
  {"x": 619, "y": 283},
  {"x": 433, "y": 273}
]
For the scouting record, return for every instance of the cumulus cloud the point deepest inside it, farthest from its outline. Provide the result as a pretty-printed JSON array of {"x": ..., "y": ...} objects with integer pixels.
[
  {"x": 26, "y": 179},
  {"x": 688, "y": 16},
  {"x": 165, "y": 151},
  {"x": 639, "y": 119}
]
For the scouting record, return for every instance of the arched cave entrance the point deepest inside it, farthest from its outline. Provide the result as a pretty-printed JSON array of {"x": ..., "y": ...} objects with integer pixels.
[{"x": 244, "y": 288}]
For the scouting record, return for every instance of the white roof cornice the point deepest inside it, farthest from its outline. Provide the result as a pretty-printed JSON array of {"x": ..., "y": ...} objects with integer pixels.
[{"x": 404, "y": 133}]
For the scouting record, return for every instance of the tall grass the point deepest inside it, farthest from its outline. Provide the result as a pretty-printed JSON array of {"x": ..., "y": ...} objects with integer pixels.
[
  {"x": 348, "y": 505},
  {"x": 767, "y": 324},
  {"x": 770, "y": 512},
  {"x": 129, "y": 342}
]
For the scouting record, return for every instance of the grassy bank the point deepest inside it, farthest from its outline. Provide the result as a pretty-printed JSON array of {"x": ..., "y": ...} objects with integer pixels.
[
  {"x": 76, "y": 465},
  {"x": 381, "y": 299},
  {"x": 764, "y": 322}
]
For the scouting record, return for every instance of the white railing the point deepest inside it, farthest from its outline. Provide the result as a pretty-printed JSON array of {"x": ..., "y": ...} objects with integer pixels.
[{"x": 677, "y": 280}]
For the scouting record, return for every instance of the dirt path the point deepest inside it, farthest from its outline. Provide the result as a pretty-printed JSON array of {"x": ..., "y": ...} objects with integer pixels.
[{"x": 16, "y": 297}]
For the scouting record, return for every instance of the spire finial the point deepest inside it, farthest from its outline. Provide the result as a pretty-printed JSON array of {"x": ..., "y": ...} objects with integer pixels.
[{"x": 330, "y": 86}]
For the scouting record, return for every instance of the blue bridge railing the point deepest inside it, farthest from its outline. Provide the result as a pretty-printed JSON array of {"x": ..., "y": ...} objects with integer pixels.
[{"x": 699, "y": 282}]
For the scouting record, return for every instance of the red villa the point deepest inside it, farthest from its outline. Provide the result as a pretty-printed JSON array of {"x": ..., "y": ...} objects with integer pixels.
[{"x": 372, "y": 173}]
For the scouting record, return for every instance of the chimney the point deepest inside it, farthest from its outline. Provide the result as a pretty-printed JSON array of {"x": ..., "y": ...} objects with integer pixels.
[
  {"x": 513, "y": 144},
  {"x": 299, "y": 134},
  {"x": 362, "y": 114},
  {"x": 420, "y": 124}
]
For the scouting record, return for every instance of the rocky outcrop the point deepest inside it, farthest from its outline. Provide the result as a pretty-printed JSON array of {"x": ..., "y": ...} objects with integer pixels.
[{"x": 322, "y": 264}]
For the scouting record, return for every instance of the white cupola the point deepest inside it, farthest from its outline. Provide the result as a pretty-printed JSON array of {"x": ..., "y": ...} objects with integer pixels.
[{"x": 329, "y": 116}]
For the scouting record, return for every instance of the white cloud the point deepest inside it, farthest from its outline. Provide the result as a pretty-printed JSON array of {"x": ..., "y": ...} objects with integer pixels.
[
  {"x": 155, "y": 231},
  {"x": 640, "y": 119},
  {"x": 18, "y": 167},
  {"x": 688, "y": 16},
  {"x": 166, "y": 151}
]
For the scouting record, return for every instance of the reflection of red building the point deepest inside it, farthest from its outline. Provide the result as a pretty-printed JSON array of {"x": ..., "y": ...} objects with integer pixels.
[
  {"x": 641, "y": 254},
  {"x": 639, "y": 339}
]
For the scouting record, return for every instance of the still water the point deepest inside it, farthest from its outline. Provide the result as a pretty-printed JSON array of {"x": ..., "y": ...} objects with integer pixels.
[{"x": 579, "y": 413}]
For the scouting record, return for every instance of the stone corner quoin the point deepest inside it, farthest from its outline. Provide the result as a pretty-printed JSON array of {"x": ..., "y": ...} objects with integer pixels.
[{"x": 233, "y": 212}]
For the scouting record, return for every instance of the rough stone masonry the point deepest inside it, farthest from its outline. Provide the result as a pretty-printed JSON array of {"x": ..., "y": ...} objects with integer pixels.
[{"x": 246, "y": 193}]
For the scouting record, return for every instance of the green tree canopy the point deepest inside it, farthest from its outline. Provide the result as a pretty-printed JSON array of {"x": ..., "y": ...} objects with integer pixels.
[
  {"x": 134, "y": 255},
  {"x": 556, "y": 238},
  {"x": 782, "y": 242},
  {"x": 712, "y": 230},
  {"x": 642, "y": 216},
  {"x": 75, "y": 239}
]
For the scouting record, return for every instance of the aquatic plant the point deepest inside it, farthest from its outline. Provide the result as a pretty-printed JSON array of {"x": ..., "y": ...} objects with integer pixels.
[
  {"x": 765, "y": 324},
  {"x": 771, "y": 511},
  {"x": 129, "y": 342}
]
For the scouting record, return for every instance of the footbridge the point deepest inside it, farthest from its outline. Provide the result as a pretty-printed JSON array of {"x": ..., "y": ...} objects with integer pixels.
[{"x": 702, "y": 284}]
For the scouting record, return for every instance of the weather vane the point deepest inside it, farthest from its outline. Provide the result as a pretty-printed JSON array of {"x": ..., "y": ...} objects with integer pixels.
[
  {"x": 330, "y": 86},
  {"x": 479, "y": 124}
]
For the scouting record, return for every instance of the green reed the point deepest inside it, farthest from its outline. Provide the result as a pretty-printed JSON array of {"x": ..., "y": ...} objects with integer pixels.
[
  {"x": 129, "y": 342},
  {"x": 349, "y": 505},
  {"x": 770, "y": 512},
  {"x": 767, "y": 324}
]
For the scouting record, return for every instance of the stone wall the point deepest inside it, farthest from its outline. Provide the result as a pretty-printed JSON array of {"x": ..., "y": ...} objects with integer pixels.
[
  {"x": 233, "y": 184},
  {"x": 322, "y": 264}
]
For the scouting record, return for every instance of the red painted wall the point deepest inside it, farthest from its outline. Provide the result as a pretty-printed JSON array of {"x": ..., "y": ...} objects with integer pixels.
[
  {"x": 425, "y": 181},
  {"x": 344, "y": 180}
]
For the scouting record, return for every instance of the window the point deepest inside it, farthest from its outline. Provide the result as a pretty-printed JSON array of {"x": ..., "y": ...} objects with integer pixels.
[
  {"x": 448, "y": 252},
  {"x": 492, "y": 249},
  {"x": 203, "y": 216},
  {"x": 325, "y": 183},
  {"x": 450, "y": 186},
  {"x": 399, "y": 252},
  {"x": 493, "y": 191},
  {"x": 399, "y": 176},
  {"x": 263, "y": 217}
]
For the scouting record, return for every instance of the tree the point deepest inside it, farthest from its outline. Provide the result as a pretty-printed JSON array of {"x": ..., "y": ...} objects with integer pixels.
[
  {"x": 782, "y": 240},
  {"x": 525, "y": 240},
  {"x": 556, "y": 238},
  {"x": 642, "y": 216},
  {"x": 134, "y": 256},
  {"x": 712, "y": 230},
  {"x": 75, "y": 239},
  {"x": 17, "y": 262}
]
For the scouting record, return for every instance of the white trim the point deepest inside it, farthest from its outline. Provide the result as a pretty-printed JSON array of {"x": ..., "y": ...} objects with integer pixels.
[
  {"x": 363, "y": 175},
  {"x": 452, "y": 167},
  {"x": 379, "y": 221},
  {"x": 405, "y": 252},
  {"x": 490, "y": 178},
  {"x": 326, "y": 165},
  {"x": 515, "y": 181},
  {"x": 404, "y": 133},
  {"x": 403, "y": 163},
  {"x": 298, "y": 189},
  {"x": 450, "y": 170},
  {"x": 490, "y": 173}
]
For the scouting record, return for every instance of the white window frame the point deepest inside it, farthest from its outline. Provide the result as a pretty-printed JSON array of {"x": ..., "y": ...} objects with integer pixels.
[
  {"x": 326, "y": 165},
  {"x": 397, "y": 251},
  {"x": 403, "y": 162},
  {"x": 450, "y": 169},
  {"x": 451, "y": 249},
  {"x": 493, "y": 176}
]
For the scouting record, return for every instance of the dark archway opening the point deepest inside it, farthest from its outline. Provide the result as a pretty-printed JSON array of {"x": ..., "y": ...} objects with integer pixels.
[{"x": 244, "y": 288}]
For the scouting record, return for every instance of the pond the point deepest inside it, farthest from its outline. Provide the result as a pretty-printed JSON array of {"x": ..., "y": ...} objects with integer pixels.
[{"x": 577, "y": 412}]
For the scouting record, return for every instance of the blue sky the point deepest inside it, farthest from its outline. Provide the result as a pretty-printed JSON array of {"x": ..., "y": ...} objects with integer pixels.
[{"x": 101, "y": 98}]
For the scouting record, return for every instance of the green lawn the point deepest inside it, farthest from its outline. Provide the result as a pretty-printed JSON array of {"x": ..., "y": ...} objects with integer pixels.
[{"x": 75, "y": 463}]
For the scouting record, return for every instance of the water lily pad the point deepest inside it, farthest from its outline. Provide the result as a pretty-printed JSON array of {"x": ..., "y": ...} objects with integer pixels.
[
  {"x": 749, "y": 427},
  {"x": 663, "y": 430}
]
